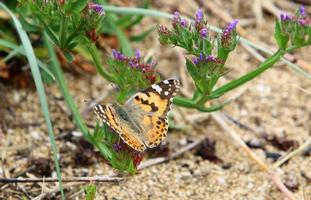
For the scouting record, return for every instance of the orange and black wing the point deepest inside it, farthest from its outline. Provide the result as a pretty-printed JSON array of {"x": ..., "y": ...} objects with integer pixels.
[
  {"x": 153, "y": 104},
  {"x": 109, "y": 116}
]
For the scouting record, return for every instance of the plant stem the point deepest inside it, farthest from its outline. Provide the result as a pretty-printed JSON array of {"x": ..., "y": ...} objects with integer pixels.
[
  {"x": 58, "y": 73},
  {"x": 249, "y": 76},
  {"x": 98, "y": 66},
  {"x": 183, "y": 102}
]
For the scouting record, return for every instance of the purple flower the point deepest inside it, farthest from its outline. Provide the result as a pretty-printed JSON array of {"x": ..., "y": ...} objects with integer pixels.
[
  {"x": 137, "y": 54},
  {"x": 302, "y": 11},
  {"x": 302, "y": 21},
  {"x": 133, "y": 64},
  {"x": 117, "y": 55},
  {"x": 176, "y": 17},
  {"x": 211, "y": 58},
  {"x": 184, "y": 23},
  {"x": 201, "y": 57},
  {"x": 195, "y": 61},
  {"x": 203, "y": 33},
  {"x": 226, "y": 35},
  {"x": 199, "y": 16},
  {"x": 206, "y": 59},
  {"x": 97, "y": 8},
  {"x": 284, "y": 17},
  {"x": 117, "y": 147},
  {"x": 232, "y": 26}
]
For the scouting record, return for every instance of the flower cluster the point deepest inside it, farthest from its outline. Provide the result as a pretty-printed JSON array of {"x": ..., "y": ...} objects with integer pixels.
[
  {"x": 229, "y": 34},
  {"x": 206, "y": 59},
  {"x": 301, "y": 17},
  {"x": 96, "y": 8},
  {"x": 123, "y": 148},
  {"x": 178, "y": 21},
  {"x": 294, "y": 28},
  {"x": 200, "y": 23},
  {"x": 136, "y": 62}
]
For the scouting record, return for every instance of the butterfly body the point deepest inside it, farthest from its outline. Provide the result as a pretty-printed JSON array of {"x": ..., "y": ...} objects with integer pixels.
[{"x": 142, "y": 121}]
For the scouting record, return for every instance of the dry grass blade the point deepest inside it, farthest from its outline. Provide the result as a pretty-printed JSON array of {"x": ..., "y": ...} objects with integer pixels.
[
  {"x": 220, "y": 120},
  {"x": 183, "y": 150},
  {"x": 64, "y": 179}
]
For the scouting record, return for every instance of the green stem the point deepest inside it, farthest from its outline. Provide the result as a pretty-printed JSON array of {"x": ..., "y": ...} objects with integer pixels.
[
  {"x": 183, "y": 102},
  {"x": 58, "y": 73},
  {"x": 98, "y": 66},
  {"x": 63, "y": 31},
  {"x": 249, "y": 76},
  {"x": 122, "y": 95}
]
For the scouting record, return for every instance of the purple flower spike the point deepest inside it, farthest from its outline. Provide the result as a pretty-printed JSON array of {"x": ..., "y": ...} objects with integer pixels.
[
  {"x": 210, "y": 58},
  {"x": 117, "y": 147},
  {"x": 201, "y": 57},
  {"x": 176, "y": 16},
  {"x": 302, "y": 22},
  {"x": 117, "y": 55},
  {"x": 199, "y": 16},
  {"x": 137, "y": 54},
  {"x": 232, "y": 25},
  {"x": 184, "y": 23},
  {"x": 284, "y": 17},
  {"x": 97, "y": 8},
  {"x": 195, "y": 61},
  {"x": 302, "y": 11},
  {"x": 133, "y": 64},
  {"x": 203, "y": 33}
]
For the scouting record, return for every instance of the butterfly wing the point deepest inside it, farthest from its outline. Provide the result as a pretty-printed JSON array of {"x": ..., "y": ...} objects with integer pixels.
[
  {"x": 108, "y": 114},
  {"x": 150, "y": 107}
]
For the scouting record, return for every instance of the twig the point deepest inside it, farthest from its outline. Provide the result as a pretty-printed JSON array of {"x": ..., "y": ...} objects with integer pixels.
[
  {"x": 219, "y": 119},
  {"x": 54, "y": 190},
  {"x": 159, "y": 160},
  {"x": 64, "y": 179},
  {"x": 292, "y": 154},
  {"x": 281, "y": 186}
]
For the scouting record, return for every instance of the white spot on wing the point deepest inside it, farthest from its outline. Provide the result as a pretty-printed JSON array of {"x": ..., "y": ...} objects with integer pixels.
[
  {"x": 166, "y": 93},
  {"x": 157, "y": 88},
  {"x": 166, "y": 82}
]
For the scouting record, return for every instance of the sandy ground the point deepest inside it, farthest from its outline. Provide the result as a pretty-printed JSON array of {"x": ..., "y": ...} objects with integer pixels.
[{"x": 272, "y": 105}]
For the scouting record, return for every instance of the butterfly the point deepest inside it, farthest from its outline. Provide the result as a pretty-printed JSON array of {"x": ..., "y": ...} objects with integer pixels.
[{"x": 142, "y": 121}]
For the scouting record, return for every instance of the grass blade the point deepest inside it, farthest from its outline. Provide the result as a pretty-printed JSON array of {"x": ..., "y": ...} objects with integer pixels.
[
  {"x": 20, "y": 50},
  {"x": 40, "y": 89},
  {"x": 64, "y": 89}
]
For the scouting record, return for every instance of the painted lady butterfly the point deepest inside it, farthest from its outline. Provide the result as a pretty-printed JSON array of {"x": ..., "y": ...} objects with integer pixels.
[{"x": 142, "y": 121}]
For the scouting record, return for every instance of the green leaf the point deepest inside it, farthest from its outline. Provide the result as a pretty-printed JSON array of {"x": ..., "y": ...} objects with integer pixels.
[
  {"x": 129, "y": 21},
  {"x": 299, "y": 35},
  {"x": 192, "y": 70},
  {"x": 75, "y": 6},
  {"x": 68, "y": 55},
  {"x": 90, "y": 192},
  {"x": 142, "y": 36},
  {"x": 72, "y": 45},
  {"x": 280, "y": 37}
]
